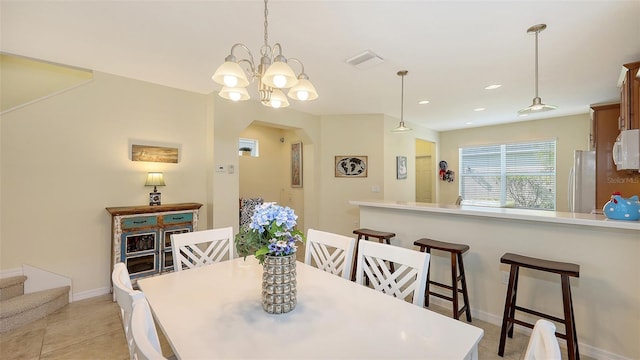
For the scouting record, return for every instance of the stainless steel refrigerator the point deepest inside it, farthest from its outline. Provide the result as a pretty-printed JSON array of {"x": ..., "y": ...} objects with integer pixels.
[{"x": 582, "y": 182}]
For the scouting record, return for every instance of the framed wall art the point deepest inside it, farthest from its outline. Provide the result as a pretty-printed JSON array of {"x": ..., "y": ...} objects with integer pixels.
[
  {"x": 351, "y": 166},
  {"x": 296, "y": 164},
  {"x": 154, "y": 152},
  {"x": 401, "y": 167}
]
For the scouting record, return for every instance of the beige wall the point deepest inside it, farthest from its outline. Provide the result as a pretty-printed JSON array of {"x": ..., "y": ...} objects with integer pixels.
[
  {"x": 571, "y": 133},
  {"x": 66, "y": 158},
  {"x": 230, "y": 121},
  {"x": 269, "y": 175}
]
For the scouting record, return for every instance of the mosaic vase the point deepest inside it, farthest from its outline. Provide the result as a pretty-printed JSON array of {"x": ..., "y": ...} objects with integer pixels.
[{"x": 279, "y": 284}]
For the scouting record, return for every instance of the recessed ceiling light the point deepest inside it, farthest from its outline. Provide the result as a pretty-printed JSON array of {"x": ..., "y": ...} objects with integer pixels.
[
  {"x": 492, "y": 87},
  {"x": 523, "y": 115},
  {"x": 479, "y": 109},
  {"x": 422, "y": 102},
  {"x": 469, "y": 123}
]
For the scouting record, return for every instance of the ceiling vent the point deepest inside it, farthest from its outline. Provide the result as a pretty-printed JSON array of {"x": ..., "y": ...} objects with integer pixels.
[{"x": 365, "y": 60}]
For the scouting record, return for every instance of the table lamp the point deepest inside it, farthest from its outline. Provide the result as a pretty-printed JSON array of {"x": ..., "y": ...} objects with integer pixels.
[{"x": 154, "y": 179}]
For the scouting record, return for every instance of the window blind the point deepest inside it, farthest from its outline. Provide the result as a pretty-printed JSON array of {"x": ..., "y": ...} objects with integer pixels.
[{"x": 521, "y": 175}]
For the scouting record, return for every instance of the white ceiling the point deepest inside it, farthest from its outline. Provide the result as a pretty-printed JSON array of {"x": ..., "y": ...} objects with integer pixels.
[{"x": 452, "y": 49}]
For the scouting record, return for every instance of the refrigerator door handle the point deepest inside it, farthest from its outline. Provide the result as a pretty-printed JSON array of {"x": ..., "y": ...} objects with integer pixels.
[{"x": 570, "y": 189}]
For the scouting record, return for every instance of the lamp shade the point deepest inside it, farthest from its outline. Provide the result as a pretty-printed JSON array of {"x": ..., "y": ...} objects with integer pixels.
[
  {"x": 304, "y": 91},
  {"x": 155, "y": 179},
  {"x": 234, "y": 93},
  {"x": 280, "y": 75},
  {"x": 230, "y": 74},
  {"x": 278, "y": 100}
]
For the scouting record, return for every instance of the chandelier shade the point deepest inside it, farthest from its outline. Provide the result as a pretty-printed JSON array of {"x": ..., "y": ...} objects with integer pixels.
[
  {"x": 277, "y": 100},
  {"x": 230, "y": 74},
  {"x": 303, "y": 91},
  {"x": 280, "y": 75},
  {"x": 270, "y": 75},
  {"x": 401, "y": 127},
  {"x": 537, "y": 105},
  {"x": 234, "y": 93}
]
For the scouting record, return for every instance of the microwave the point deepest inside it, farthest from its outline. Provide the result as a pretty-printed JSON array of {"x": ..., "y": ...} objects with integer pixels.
[{"x": 626, "y": 150}]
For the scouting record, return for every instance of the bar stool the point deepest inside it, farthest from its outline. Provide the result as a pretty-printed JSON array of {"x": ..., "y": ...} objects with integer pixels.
[
  {"x": 508, "y": 319},
  {"x": 382, "y": 236},
  {"x": 456, "y": 251}
]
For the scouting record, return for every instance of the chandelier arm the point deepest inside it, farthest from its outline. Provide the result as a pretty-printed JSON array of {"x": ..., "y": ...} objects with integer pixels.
[
  {"x": 302, "y": 73},
  {"x": 279, "y": 47},
  {"x": 250, "y": 60}
]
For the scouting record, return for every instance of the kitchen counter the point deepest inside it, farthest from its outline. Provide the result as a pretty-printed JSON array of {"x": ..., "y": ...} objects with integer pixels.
[
  {"x": 595, "y": 220},
  {"x": 606, "y": 296}
]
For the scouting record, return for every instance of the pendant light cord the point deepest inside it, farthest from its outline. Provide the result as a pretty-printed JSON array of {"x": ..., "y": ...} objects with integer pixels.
[{"x": 536, "y": 62}]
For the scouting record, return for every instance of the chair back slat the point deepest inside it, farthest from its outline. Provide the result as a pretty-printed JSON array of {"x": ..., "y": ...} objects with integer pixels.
[
  {"x": 125, "y": 296},
  {"x": 543, "y": 344},
  {"x": 199, "y": 248},
  {"x": 330, "y": 252},
  {"x": 405, "y": 280},
  {"x": 143, "y": 329}
]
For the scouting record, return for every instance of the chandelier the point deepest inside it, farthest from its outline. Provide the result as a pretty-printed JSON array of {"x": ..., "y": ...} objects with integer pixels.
[
  {"x": 272, "y": 74},
  {"x": 537, "y": 105}
]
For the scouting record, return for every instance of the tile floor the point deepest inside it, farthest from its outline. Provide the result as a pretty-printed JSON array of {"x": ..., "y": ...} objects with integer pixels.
[{"x": 91, "y": 329}]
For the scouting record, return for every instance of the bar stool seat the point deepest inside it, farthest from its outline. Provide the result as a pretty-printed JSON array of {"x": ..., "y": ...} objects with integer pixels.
[
  {"x": 382, "y": 236},
  {"x": 565, "y": 270},
  {"x": 456, "y": 251}
]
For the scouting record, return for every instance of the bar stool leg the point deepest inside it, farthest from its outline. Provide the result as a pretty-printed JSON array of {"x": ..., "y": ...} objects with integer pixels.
[
  {"x": 512, "y": 315},
  {"x": 454, "y": 286},
  {"x": 355, "y": 259},
  {"x": 465, "y": 294},
  {"x": 426, "y": 289},
  {"x": 569, "y": 322},
  {"x": 508, "y": 305}
]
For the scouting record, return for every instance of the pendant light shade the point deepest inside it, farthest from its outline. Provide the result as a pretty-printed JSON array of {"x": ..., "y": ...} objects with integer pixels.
[
  {"x": 537, "y": 105},
  {"x": 401, "y": 127}
]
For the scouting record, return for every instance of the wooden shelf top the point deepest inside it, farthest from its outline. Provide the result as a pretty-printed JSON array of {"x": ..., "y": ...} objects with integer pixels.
[{"x": 143, "y": 209}]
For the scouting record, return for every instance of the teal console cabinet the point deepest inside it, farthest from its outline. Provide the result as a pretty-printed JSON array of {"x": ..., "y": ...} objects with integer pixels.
[{"x": 141, "y": 235}]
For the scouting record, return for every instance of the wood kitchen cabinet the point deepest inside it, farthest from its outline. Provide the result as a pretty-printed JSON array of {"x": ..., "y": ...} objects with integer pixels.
[
  {"x": 141, "y": 235},
  {"x": 604, "y": 131},
  {"x": 629, "y": 85}
]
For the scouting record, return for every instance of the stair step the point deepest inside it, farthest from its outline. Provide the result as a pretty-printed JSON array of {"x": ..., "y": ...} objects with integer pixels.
[
  {"x": 11, "y": 287},
  {"x": 24, "y": 309}
]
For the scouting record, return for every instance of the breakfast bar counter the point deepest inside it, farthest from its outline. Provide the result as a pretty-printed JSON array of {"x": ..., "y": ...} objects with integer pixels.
[{"x": 606, "y": 296}]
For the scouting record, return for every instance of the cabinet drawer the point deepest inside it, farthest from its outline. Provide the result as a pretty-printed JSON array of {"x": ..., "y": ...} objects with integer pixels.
[
  {"x": 177, "y": 218},
  {"x": 138, "y": 222}
]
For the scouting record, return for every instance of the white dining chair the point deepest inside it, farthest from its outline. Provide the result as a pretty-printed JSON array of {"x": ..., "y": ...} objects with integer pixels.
[
  {"x": 143, "y": 329},
  {"x": 406, "y": 280},
  {"x": 543, "y": 344},
  {"x": 330, "y": 252},
  {"x": 199, "y": 248},
  {"x": 125, "y": 296}
]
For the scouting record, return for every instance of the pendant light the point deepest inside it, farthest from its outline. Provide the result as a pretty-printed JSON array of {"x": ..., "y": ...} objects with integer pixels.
[
  {"x": 537, "y": 105},
  {"x": 402, "y": 128}
]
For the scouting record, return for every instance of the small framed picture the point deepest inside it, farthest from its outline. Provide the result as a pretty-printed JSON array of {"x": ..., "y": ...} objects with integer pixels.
[
  {"x": 401, "y": 167},
  {"x": 351, "y": 166},
  {"x": 296, "y": 164},
  {"x": 155, "y": 198}
]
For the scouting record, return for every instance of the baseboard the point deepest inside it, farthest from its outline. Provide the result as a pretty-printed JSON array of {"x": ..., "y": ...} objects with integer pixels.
[
  {"x": 91, "y": 293},
  {"x": 585, "y": 349}
]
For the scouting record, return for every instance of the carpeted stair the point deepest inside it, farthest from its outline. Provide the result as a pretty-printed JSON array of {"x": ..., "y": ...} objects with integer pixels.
[{"x": 18, "y": 308}]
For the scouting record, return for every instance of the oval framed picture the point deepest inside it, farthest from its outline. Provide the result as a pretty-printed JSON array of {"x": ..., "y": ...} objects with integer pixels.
[{"x": 351, "y": 166}]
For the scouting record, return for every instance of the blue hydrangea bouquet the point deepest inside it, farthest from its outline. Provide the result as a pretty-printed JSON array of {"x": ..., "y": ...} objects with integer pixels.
[{"x": 271, "y": 231}]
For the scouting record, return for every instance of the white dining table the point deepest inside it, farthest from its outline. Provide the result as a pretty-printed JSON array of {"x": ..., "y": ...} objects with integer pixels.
[{"x": 215, "y": 312}]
